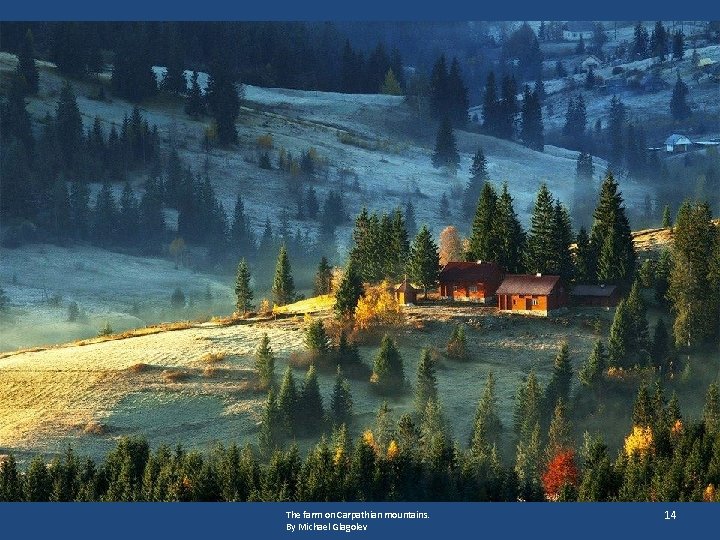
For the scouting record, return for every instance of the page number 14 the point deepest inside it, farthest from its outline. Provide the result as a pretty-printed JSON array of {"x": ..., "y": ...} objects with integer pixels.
[{"x": 669, "y": 515}]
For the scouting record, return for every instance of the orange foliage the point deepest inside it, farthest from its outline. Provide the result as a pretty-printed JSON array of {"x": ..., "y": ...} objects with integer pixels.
[
  {"x": 339, "y": 455},
  {"x": 677, "y": 427},
  {"x": 709, "y": 493},
  {"x": 369, "y": 439},
  {"x": 393, "y": 450},
  {"x": 639, "y": 441},
  {"x": 561, "y": 471},
  {"x": 451, "y": 246},
  {"x": 378, "y": 307}
]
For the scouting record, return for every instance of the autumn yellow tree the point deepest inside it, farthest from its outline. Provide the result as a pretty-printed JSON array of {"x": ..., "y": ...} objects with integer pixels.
[
  {"x": 378, "y": 307},
  {"x": 451, "y": 245},
  {"x": 639, "y": 441}
]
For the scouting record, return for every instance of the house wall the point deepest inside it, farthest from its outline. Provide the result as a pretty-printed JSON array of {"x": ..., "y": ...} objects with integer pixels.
[
  {"x": 531, "y": 304},
  {"x": 462, "y": 291}
]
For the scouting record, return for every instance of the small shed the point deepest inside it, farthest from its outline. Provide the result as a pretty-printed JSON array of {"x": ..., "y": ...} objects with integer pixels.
[
  {"x": 677, "y": 143},
  {"x": 577, "y": 30},
  {"x": 405, "y": 293},
  {"x": 470, "y": 281},
  {"x": 531, "y": 294},
  {"x": 595, "y": 295}
]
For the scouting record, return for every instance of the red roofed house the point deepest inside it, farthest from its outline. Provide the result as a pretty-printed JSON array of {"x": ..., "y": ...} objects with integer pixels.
[
  {"x": 531, "y": 294},
  {"x": 470, "y": 281}
]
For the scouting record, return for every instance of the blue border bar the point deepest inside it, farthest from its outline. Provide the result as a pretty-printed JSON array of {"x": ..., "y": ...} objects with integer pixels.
[
  {"x": 367, "y": 10},
  {"x": 445, "y": 520}
]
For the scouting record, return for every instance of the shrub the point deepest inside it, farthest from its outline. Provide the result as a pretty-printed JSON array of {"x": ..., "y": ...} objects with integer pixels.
[
  {"x": 388, "y": 375},
  {"x": 177, "y": 300},
  {"x": 378, "y": 308},
  {"x": 73, "y": 312},
  {"x": 457, "y": 344},
  {"x": 265, "y": 142},
  {"x": 106, "y": 330},
  {"x": 213, "y": 357}
]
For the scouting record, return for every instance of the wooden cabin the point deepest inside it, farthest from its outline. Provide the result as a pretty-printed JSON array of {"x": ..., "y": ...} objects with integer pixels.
[
  {"x": 470, "y": 281},
  {"x": 406, "y": 293},
  {"x": 531, "y": 294},
  {"x": 595, "y": 295}
]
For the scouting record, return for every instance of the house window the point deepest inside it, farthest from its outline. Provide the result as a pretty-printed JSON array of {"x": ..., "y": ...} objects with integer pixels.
[
  {"x": 455, "y": 288},
  {"x": 473, "y": 288},
  {"x": 534, "y": 301}
]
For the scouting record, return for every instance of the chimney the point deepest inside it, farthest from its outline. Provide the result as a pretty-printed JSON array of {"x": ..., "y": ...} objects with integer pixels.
[{"x": 538, "y": 274}]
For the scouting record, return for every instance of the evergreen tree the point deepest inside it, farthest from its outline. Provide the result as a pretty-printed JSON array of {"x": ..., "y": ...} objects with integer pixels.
[
  {"x": 243, "y": 292},
  {"x": 341, "y": 402},
  {"x": 508, "y": 108},
  {"x": 457, "y": 344},
  {"x": 678, "y": 45},
  {"x": 69, "y": 129},
  {"x": 349, "y": 291},
  {"x": 388, "y": 374},
  {"x": 610, "y": 236},
  {"x": 527, "y": 407},
  {"x": 509, "y": 234},
  {"x": 410, "y": 223},
  {"x": 662, "y": 350},
  {"x": 446, "y": 154},
  {"x": 271, "y": 426},
  {"x": 311, "y": 404},
  {"x": 174, "y": 81},
  {"x": 283, "y": 288},
  {"x": 711, "y": 410},
  {"x": 265, "y": 363},
  {"x": 128, "y": 218},
  {"x": 541, "y": 239},
  {"x": 487, "y": 427},
  {"x": 616, "y": 127},
  {"x": 195, "y": 104},
  {"x": 531, "y": 132},
  {"x": 679, "y": 107},
  {"x": 323, "y": 278},
  {"x": 242, "y": 239},
  {"x": 424, "y": 263},
  {"x": 621, "y": 337},
  {"x": 561, "y": 379},
  {"x": 694, "y": 283},
  {"x": 457, "y": 95},
  {"x": 288, "y": 399},
  {"x": 390, "y": 85},
  {"x": 26, "y": 69},
  {"x": 223, "y": 101},
  {"x": 491, "y": 109},
  {"x": 592, "y": 371},
  {"x": 105, "y": 226},
  {"x": 640, "y": 42},
  {"x": 666, "y": 219},
  {"x": 399, "y": 246},
  {"x": 482, "y": 244},
  {"x": 439, "y": 96},
  {"x": 132, "y": 74},
  {"x": 583, "y": 258},
  {"x": 659, "y": 46},
  {"x": 478, "y": 177},
  {"x": 576, "y": 122},
  {"x": 561, "y": 256},
  {"x": 317, "y": 340},
  {"x": 444, "y": 208},
  {"x": 559, "y": 433},
  {"x": 81, "y": 215},
  {"x": 426, "y": 385}
]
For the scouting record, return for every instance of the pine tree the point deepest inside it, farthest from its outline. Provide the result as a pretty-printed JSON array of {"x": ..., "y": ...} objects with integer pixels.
[
  {"x": 541, "y": 239},
  {"x": 478, "y": 177},
  {"x": 711, "y": 410},
  {"x": 283, "y": 287},
  {"x": 491, "y": 107},
  {"x": 659, "y": 41},
  {"x": 562, "y": 262},
  {"x": 223, "y": 101},
  {"x": 69, "y": 129},
  {"x": 288, "y": 399},
  {"x": 242, "y": 239},
  {"x": 323, "y": 278},
  {"x": 424, "y": 263},
  {"x": 610, "y": 237},
  {"x": 531, "y": 123},
  {"x": 446, "y": 154},
  {"x": 694, "y": 286},
  {"x": 390, "y": 85},
  {"x": 615, "y": 129},
  {"x": 195, "y": 104},
  {"x": 265, "y": 363},
  {"x": 679, "y": 107},
  {"x": 349, "y": 291},
  {"x": 399, "y": 247},
  {"x": 410, "y": 223},
  {"x": 105, "y": 223},
  {"x": 439, "y": 96},
  {"x": 457, "y": 95},
  {"x": 678, "y": 45},
  {"x": 487, "y": 427},
  {"x": 426, "y": 385},
  {"x": 666, "y": 219},
  {"x": 311, "y": 404},
  {"x": 444, "y": 208},
  {"x": 457, "y": 344},
  {"x": 482, "y": 244},
  {"x": 509, "y": 234},
  {"x": 592, "y": 371},
  {"x": 271, "y": 426},
  {"x": 527, "y": 407},
  {"x": 243, "y": 292},
  {"x": 561, "y": 379},
  {"x": 620, "y": 336},
  {"x": 174, "y": 81},
  {"x": 662, "y": 350},
  {"x": 341, "y": 402},
  {"x": 317, "y": 340},
  {"x": 640, "y": 42},
  {"x": 637, "y": 312},
  {"x": 583, "y": 255},
  {"x": 508, "y": 108},
  {"x": 559, "y": 433},
  {"x": 388, "y": 374},
  {"x": 26, "y": 69},
  {"x": 128, "y": 217}
]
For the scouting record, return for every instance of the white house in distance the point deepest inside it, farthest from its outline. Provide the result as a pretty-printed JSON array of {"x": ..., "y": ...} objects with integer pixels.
[
  {"x": 575, "y": 30},
  {"x": 677, "y": 143}
]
